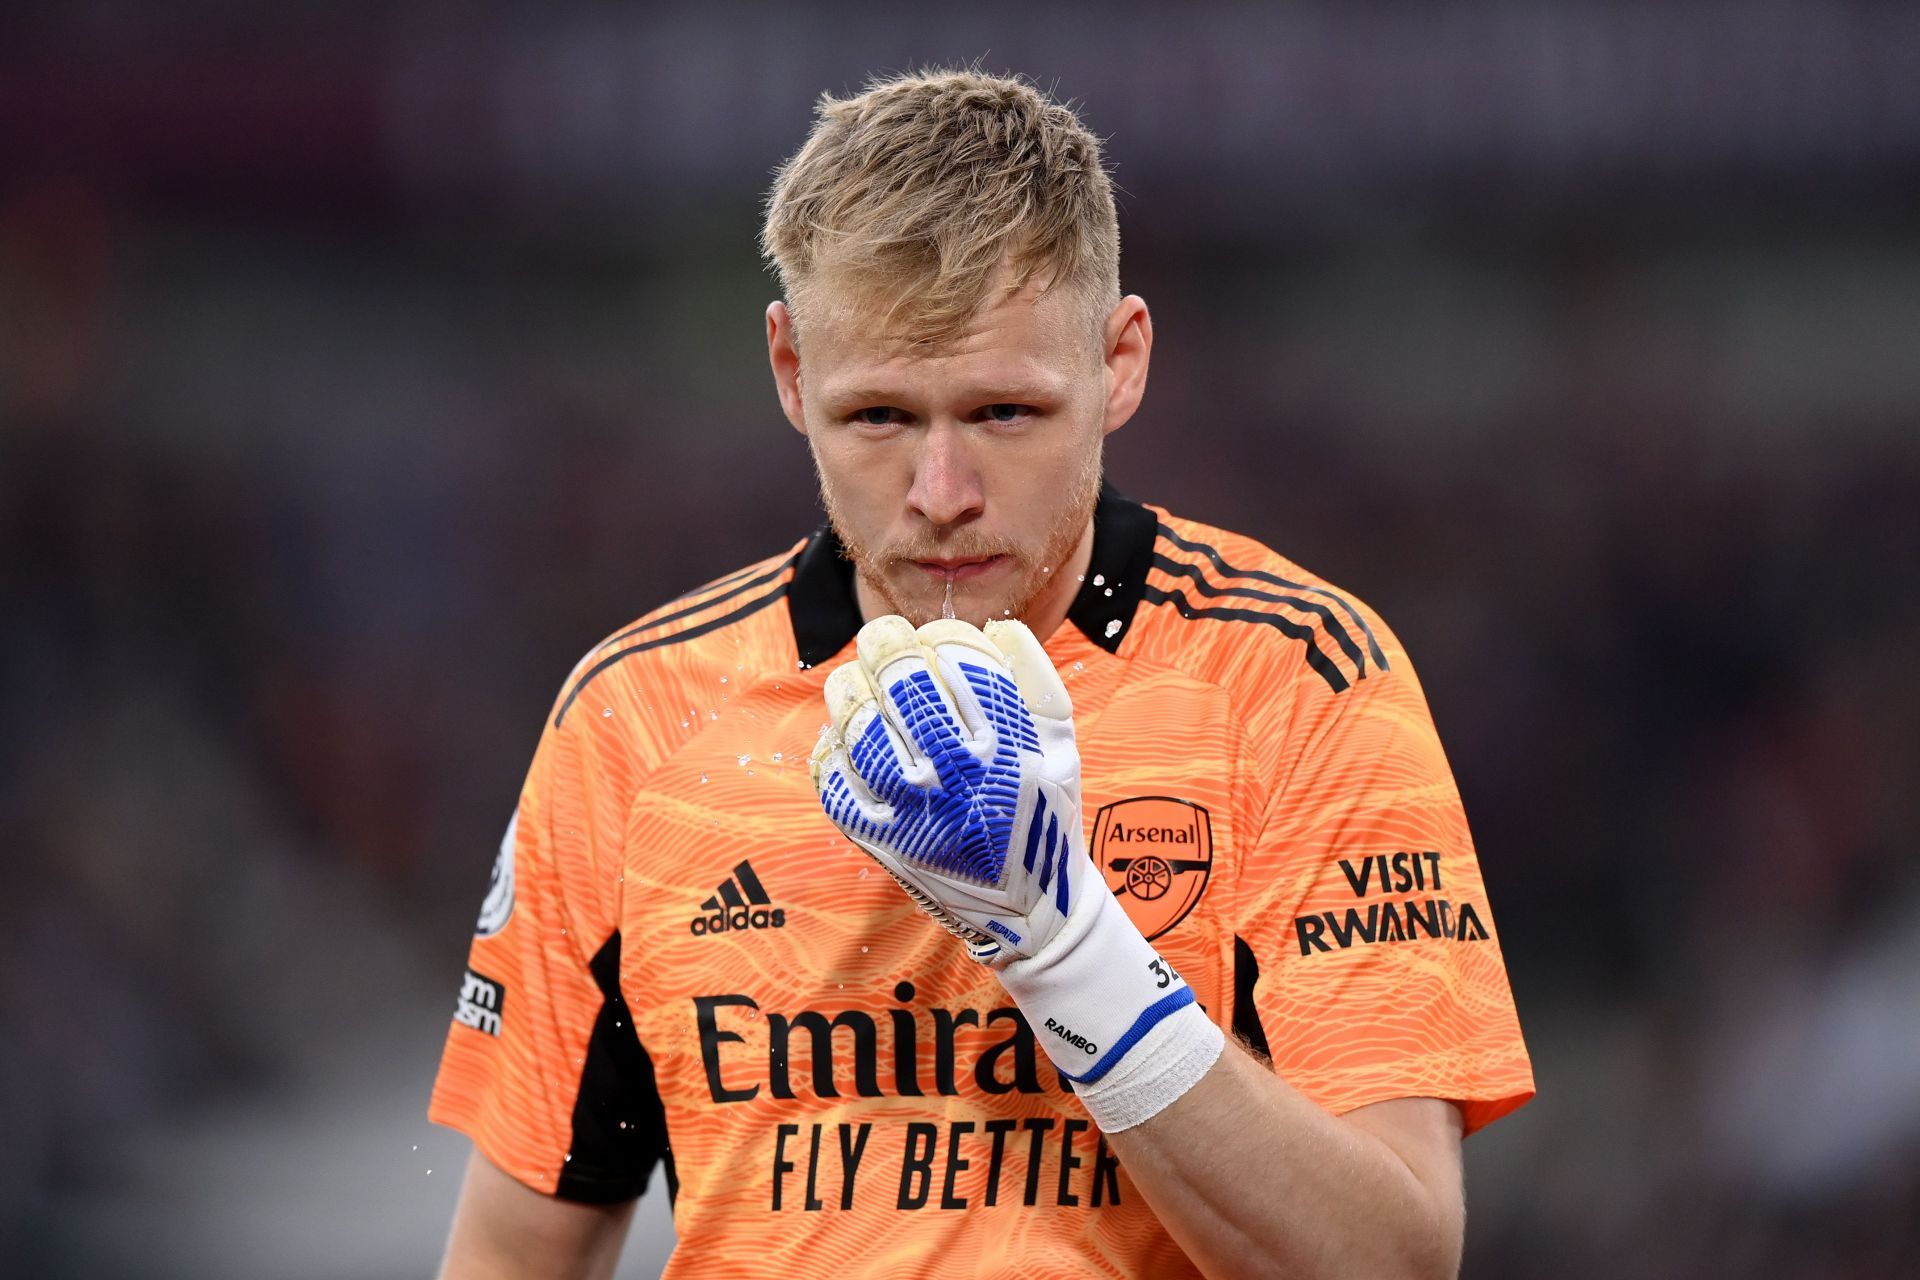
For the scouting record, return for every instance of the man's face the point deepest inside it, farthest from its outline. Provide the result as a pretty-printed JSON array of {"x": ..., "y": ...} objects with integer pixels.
[{"x": 967, "y": 473}]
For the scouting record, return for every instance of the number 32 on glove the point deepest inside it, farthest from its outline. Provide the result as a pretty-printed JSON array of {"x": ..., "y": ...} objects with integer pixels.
[{"x": 950, "y": 759}]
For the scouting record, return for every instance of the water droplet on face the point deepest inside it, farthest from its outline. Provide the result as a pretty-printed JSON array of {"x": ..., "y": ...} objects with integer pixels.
[
  {"x": 863, "y": 876},
  {"x": 946, "y": 606},
  {"x": 713, "y": 715},
  {"x": 1079, "y": 666},
  {"x": 703, "y": 777},
  {"x": 685, "y": 723},
  {"x": 1099, "y": 579},
  {"x": 743, "y": 760},
  {"x": 777, "y": 756},
  {"x": 863, "y": 951},
  {"x": 1113, "y": 628},
  {"x": 803, "y": 666},
  {"x": 723, "y": 679}
]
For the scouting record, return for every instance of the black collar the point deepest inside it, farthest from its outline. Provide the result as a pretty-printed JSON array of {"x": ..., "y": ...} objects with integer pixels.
[{"x": 826, "y": 615}]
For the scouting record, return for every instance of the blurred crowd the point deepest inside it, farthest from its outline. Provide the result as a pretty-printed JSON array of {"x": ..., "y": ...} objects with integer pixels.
[{"x": 310, "y": 496}]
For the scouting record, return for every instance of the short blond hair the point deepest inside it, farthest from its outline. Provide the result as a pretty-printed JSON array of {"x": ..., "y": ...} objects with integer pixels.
[{"x": 931, "y": 192}]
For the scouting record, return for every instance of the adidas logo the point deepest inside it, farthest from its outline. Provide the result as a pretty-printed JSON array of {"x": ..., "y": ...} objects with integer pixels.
[{"x": 740, "y": 902}]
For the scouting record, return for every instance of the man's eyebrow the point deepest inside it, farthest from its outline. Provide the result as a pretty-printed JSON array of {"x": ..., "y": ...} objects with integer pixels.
[{"x": 999, "y": 391}]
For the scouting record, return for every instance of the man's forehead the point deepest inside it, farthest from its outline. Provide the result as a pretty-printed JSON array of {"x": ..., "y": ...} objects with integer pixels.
[{"x": 1022, "y": 339}]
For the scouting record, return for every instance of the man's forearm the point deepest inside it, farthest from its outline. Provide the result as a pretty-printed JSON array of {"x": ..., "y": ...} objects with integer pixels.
[
  {"x": 1255, "y": 1180},
  {"x": 503, "y": 1229}
]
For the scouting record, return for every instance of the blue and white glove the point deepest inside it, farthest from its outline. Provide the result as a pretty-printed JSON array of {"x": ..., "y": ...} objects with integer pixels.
[{"x": 951, "y": 760}]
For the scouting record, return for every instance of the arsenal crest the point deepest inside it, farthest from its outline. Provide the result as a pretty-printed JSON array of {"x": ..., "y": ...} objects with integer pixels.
[{"x": 1155, "y": 852}]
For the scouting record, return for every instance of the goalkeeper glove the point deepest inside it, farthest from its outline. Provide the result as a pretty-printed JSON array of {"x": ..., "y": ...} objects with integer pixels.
[{"x": 951, "y": 760}]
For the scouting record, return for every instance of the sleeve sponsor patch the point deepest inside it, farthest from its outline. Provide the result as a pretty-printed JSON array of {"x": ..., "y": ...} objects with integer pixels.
[
  {"x": 1407, "y": 920},
  {"x": 481, "y": 1000}
]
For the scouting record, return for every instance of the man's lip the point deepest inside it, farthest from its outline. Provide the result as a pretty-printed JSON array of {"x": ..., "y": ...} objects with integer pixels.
[{"x": 959, "y": 568}]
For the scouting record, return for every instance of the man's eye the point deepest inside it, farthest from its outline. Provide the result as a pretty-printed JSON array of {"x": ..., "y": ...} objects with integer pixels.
[
  {"x": 878, "y": 416},
  {"x": 1007, "y": 412}
]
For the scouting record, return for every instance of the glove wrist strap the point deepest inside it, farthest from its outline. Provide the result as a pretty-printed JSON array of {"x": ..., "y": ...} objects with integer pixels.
[{"x": 1114, "y": 1016}]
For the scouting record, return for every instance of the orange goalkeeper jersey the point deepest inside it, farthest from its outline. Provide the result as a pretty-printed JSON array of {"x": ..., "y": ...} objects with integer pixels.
[{"x": 681, "y": 963}]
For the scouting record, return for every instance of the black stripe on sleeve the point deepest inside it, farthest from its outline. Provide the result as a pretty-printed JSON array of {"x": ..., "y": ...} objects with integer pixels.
[
  {"x": 691, "y": 633},
  {"x": 690, "y": 610},
  {"x": 1329, "y": 623},
  {"x": 1221, "y": 566},
  {"x": 619, "y": 1123},
  {"x": 1246, "y": 1018},
  {"x": 1320, "y": 662}
]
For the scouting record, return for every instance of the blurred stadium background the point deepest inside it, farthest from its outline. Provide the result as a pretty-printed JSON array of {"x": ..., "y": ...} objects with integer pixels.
[{"x": 361, "y": 364}]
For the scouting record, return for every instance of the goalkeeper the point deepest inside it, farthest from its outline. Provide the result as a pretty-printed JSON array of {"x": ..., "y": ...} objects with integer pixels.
[{"x": 1223, "y": 993}]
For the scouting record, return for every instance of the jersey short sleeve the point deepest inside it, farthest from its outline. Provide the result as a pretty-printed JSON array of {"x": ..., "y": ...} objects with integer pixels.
[
  {"x": 1379, "y": 973},
  {"x": 542, "y": 1067}
]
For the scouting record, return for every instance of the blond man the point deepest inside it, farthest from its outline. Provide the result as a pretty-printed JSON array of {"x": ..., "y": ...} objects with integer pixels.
[{"x": 1224, "y": 992}]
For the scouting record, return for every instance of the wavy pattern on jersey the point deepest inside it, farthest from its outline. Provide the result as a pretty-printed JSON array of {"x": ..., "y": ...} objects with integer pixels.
[
  {"x": 1193, "y": 575},
  {"x": 1393, "y": 1017},
  {"x": 723, "y": 603},
  {"x": 681, "y": 763}
]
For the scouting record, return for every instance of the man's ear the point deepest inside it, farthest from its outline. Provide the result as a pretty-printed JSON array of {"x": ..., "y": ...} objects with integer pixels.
[
  {"x": 1128, "y": 338},
  {"x": 784, "y": 355}
]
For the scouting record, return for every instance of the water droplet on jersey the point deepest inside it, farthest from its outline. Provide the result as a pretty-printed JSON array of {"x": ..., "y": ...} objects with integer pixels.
[
  {"x": 607, "y": 712},
  {"x": 569, "y": 1159},
  {"x": 743, "y": 760},
  {"x": 1113, "y": 628},
  {"x": 1099, "y": 579},
  {"x": 946, "y": 606},
  {"x": 803, "y": 666},
  {"x": 416, "y": 1146},
  {"x": 703, "y": 777},
  {"x": 723, "y": 679},
  {"x": 713, "y": 715},
  {"x": 1109, "y": 590},
  {"x": 685, "y": 723},
  {"x": 1079, "y": 666},
  {"x": 863, "y": 876},
  {"x": 777, "y": 756},
  {"x": 863, "y": 951}
]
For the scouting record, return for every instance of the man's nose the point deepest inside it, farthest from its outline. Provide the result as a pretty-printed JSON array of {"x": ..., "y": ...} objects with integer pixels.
[{"x": 946, "y": 484}]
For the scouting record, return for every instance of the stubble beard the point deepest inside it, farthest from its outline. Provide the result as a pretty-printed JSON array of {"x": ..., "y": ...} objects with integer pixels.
[{"x": 1036, "y": 570}]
